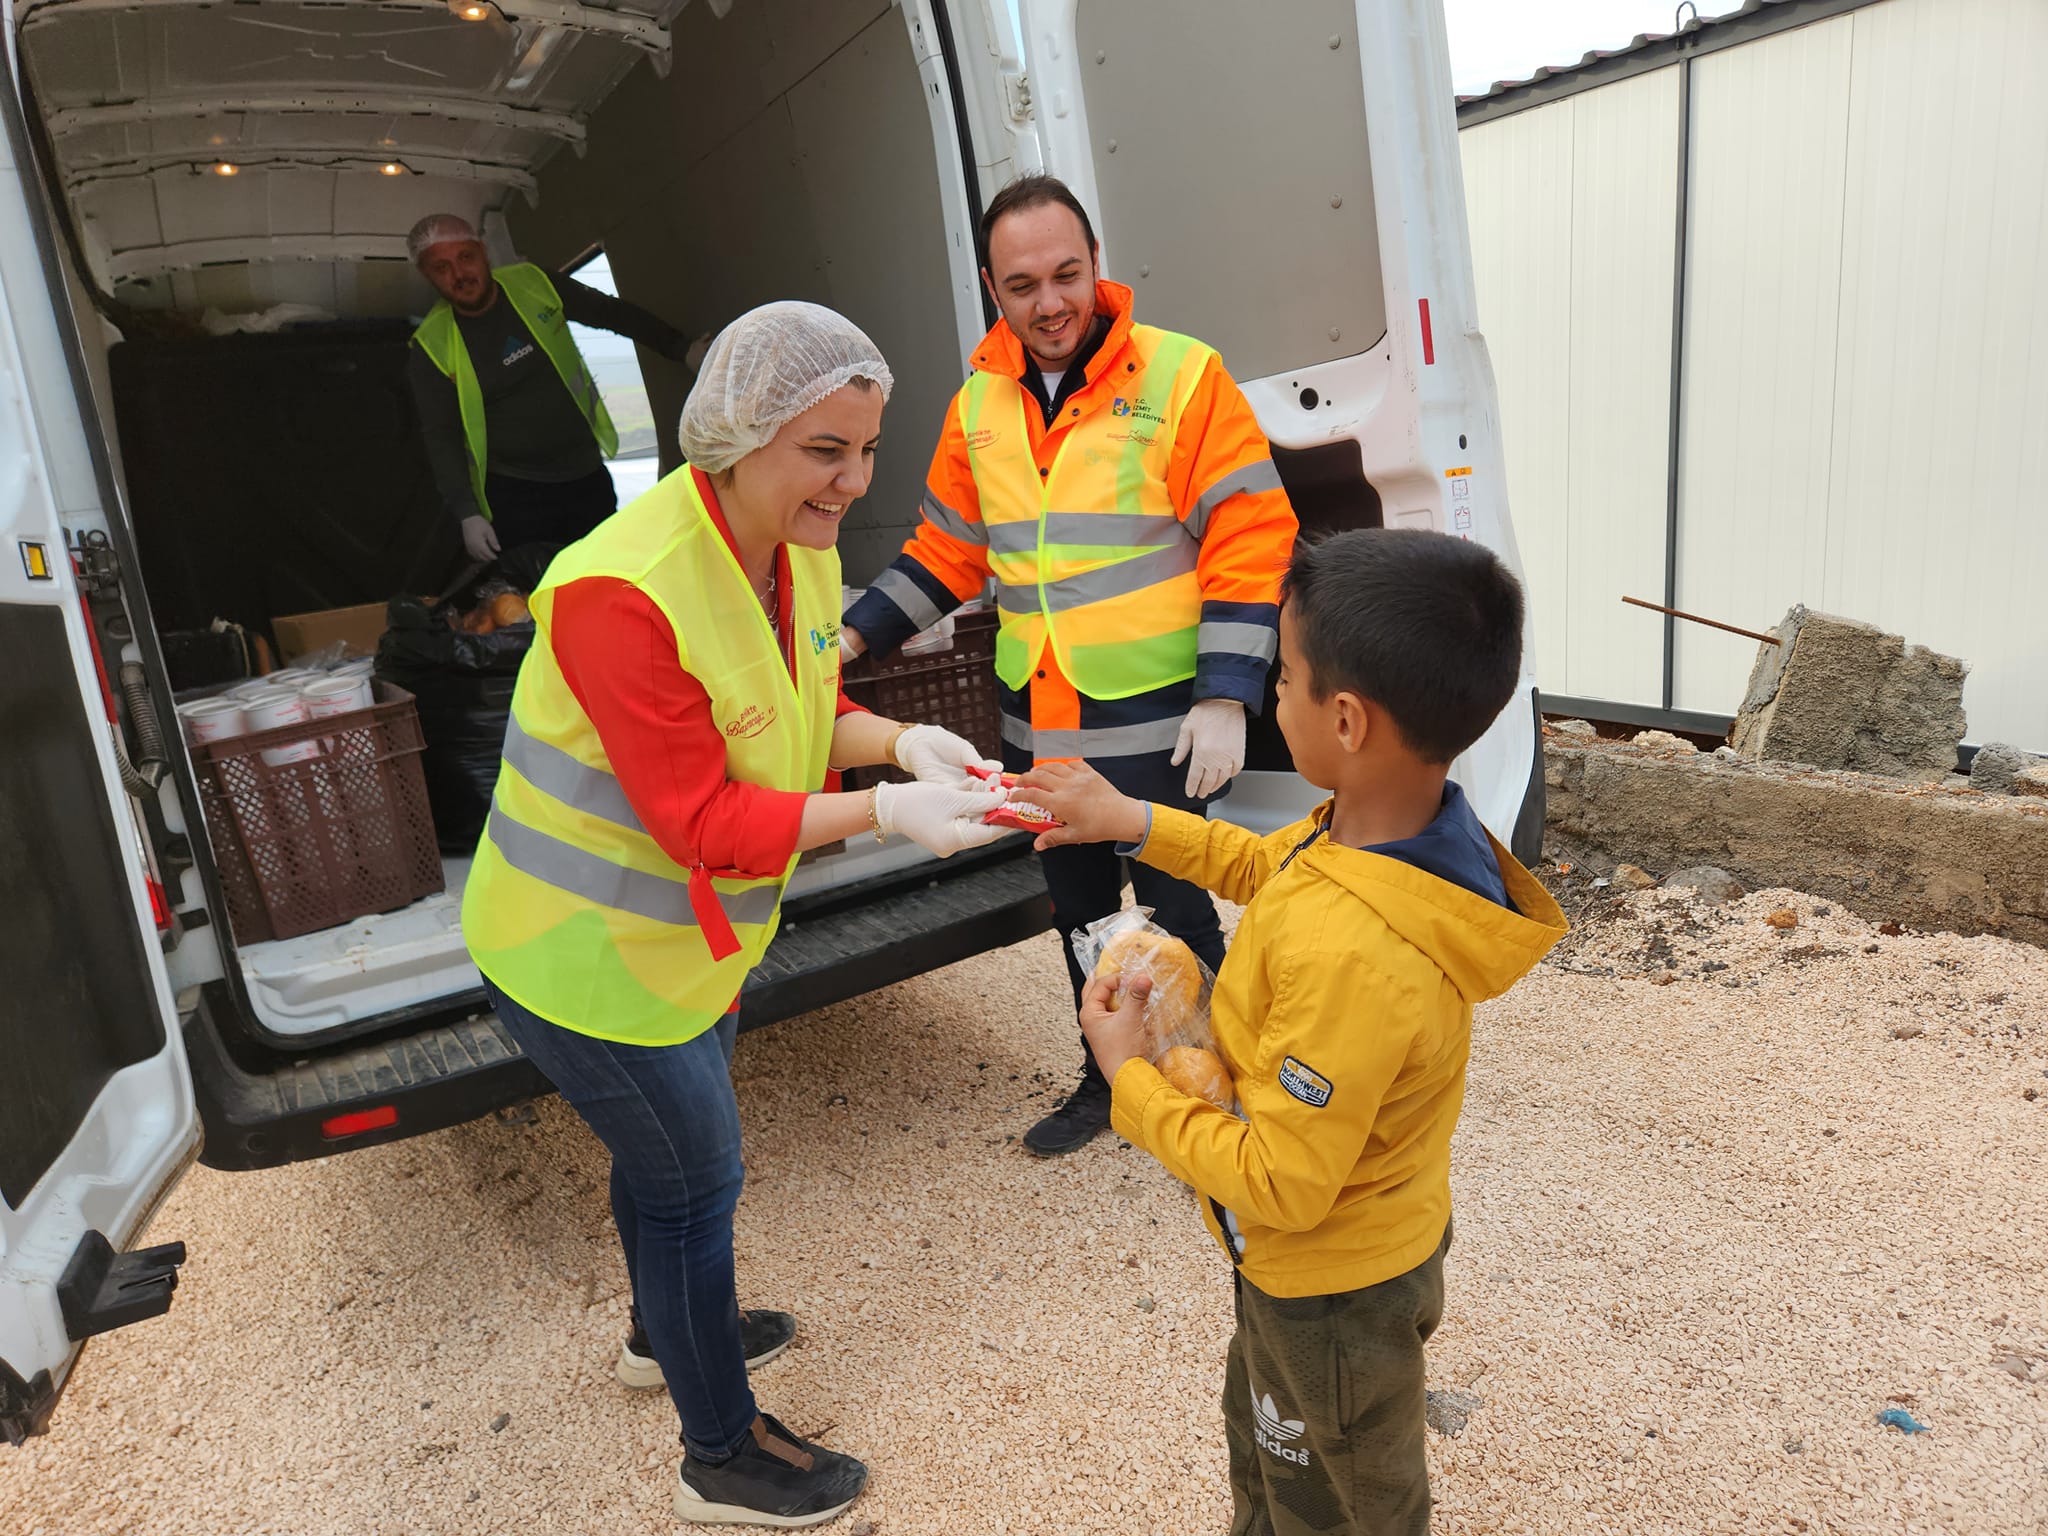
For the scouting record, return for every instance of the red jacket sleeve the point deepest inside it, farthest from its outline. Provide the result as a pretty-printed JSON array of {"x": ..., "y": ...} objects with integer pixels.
[{"x": 618, "y": 655}]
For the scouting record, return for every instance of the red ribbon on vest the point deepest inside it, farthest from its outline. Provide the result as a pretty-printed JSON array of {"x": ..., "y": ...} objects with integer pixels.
[{"x": 711, "y": 919}]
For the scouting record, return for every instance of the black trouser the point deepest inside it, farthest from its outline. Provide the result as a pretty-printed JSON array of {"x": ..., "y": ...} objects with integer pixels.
[
  {"x": 1086, "y": 882},
  {"x": 1323, "y": 1408},
  {"x": 548, "y": 511}
]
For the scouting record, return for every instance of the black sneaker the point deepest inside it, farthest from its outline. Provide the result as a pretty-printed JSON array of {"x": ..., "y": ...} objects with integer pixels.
[
  {"x": 1075, "y": 1123},
  {"x": 764, "y": 1335},
  {"x": 778, "y": 1480}
]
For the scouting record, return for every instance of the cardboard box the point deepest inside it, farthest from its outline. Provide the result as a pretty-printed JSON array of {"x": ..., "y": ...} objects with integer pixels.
[{"x": 298, "y": 633}]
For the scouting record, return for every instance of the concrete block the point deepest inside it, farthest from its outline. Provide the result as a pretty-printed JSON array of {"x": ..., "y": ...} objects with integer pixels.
[
  {"x": 1925, "y": 856},
  {"x": 1997, "y": 764},
  {"x": 1838, "y": 693}
]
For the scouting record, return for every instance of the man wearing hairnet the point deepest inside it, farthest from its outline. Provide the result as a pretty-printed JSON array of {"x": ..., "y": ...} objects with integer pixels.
[
  {"x": 514, "y": 427},
  {"x": 669, "y": 756}
]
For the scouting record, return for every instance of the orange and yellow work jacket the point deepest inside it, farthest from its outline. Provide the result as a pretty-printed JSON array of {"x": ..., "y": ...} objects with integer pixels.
[{"x": 1137, "y": 540}]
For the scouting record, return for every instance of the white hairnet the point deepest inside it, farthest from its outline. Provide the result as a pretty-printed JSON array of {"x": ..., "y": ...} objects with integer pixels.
[
  {"x": 433, "y": 230},
  {"x": 766, "y": 369}
]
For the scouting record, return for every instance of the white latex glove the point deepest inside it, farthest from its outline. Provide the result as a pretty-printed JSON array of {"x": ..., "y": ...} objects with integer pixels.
[
  {"x": 939, "y": 817},
  {"x": 931, "y": 754},
  {"x": 851, "y": 645},
  {"x": 1212, "y": 744},
  {"x": 479, "y": 538}
]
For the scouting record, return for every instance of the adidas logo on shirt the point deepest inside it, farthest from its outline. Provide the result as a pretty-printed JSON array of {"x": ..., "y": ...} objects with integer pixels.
[
  {"x": 515, "y": 349},
  {"x": 1276, "y": 1436}
]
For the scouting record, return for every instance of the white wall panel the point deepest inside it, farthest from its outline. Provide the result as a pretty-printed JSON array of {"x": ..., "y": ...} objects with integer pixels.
[
  {"x": 1572, "y": 209},
  {"x": 1624, "y": 223},
  {"x": 1938, "y": 516},
  {"x": 1518, "y": 196},
  {"x": 1763, "y": 270}
]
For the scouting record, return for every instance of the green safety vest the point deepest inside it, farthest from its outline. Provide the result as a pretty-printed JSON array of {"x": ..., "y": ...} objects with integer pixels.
[
  {"x": 536, "y": 302},
  {"x": 1092, "y": 558},
  {"x": 572, "y": 909}
]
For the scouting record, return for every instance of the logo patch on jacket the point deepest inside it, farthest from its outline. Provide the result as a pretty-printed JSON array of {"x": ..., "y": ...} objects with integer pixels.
[
  {"x": 983, "y": 437},
  {"x": 1305, "y": 1083},
  {"x": 821, "y": 637},
  {"x": 751, "y": 721},
  {"x": 1142, "y": 410}
]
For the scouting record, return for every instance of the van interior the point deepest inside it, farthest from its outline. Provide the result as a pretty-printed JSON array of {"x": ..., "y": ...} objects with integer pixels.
[{"x": 233, "y": 187}]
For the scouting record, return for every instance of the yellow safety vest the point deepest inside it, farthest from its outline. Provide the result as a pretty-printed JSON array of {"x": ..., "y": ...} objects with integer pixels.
[
  {"x": 572, "y": 909},
  {"x": 535, "y": 300},
  {"x": 1092, "y": 558}
]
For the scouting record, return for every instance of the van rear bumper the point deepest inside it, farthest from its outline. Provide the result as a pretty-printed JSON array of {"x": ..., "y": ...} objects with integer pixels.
[{"x": 262, "y": 1108}]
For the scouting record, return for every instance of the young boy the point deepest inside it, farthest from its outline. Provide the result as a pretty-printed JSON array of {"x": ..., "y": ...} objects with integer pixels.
[{"x": 1344, "y": 1013}]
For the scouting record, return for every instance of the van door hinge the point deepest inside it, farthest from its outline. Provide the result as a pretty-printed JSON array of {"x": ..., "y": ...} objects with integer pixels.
[
  {"x": 102, "y": 1290},
  {"x": 1017, "y": 95},
  {"x": 93, "y": 558}
]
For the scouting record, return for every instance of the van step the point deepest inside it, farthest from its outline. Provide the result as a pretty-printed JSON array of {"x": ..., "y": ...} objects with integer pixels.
[
  {"x": 260, "y": 1112},
  {"x": 817, "y": 961},
  {"x": 260, "y": 1116}
]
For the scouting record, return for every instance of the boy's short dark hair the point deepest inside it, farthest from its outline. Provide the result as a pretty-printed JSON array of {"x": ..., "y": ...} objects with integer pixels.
[
  {"x": 1427, "y": 626},
  {"x": 1026, "y": 192}
]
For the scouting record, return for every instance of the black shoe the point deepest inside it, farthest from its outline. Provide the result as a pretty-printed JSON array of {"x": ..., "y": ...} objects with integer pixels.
[
  {"x": 1075, "y": 1123},
  {"x": 776, "y": 1480},
  {"x": 764, "y": 1335}
]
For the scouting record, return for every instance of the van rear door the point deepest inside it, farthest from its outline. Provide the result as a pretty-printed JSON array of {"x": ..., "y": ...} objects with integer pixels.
[
  {"x": 96, "y": 1106},
  {"x": 1283, "y": 182}
]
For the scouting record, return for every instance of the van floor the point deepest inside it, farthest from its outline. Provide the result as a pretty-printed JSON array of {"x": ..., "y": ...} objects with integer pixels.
[{"x": 365, "y": 967}]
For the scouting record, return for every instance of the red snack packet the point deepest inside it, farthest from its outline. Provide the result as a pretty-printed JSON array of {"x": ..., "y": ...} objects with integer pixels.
[
  {"x": 1007, "y": 780},
  {"x": 1022, "y": 815}
]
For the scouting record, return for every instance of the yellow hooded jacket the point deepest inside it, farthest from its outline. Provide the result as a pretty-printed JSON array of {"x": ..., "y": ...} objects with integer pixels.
[{"x": 1344, "y": 1013}]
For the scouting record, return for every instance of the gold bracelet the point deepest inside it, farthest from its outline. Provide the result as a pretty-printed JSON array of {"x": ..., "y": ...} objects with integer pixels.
[
  {"x": 874, "y": 813},
  {"x": 890, "y": 751}
]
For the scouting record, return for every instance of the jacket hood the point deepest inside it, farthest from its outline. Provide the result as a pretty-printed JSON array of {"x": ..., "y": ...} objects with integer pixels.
[{"x": 1483, "y": 947}]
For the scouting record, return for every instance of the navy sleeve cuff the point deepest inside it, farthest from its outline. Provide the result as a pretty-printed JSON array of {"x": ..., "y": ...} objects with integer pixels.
[{"x": 1132, "y": 850}]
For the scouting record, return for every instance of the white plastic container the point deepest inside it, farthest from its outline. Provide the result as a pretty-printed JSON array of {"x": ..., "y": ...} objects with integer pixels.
[
  {"x": 207, "y": 720},
  {"x": 931, "y": 641},
  {"x": 281, "y": 707},
  {"x": 250, "y": 689},
  {"x": 331, "y": 696}
]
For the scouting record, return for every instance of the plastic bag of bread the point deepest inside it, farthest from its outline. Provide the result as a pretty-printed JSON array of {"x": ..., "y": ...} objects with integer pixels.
[{"x": 1126, "y": 945}]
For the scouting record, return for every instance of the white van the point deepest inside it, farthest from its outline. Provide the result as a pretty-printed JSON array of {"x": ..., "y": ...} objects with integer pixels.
[{"x": 1281, "y": 181}]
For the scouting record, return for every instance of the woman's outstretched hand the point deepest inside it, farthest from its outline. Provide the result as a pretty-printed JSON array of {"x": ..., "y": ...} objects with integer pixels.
[
  {"x": 931, "y": 754},
  {"x": 938, "y": 817}
]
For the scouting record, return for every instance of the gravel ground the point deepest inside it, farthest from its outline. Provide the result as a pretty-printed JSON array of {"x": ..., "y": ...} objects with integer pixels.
[{"x": 1725, "y": 1193}]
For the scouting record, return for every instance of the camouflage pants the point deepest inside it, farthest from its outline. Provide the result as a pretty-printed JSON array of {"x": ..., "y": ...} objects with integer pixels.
[{"x": 1322, "y": 1408}]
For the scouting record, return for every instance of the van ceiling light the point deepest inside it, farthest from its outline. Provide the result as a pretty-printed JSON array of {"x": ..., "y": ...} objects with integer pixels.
[
  {"x": 227, "y": 168},
  {"x": 471, "y": 10},
  {"x": 392, "y": 168}
]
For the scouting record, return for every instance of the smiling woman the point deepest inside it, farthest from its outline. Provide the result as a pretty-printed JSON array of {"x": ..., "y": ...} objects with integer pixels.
[{"x": 673, "y": 734}]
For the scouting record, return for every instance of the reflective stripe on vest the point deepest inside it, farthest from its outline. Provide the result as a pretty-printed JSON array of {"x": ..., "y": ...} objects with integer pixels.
[
  {"x": 1092, "y": 558},
  {"x": 572, "y": 908},
  {"x": 534, "y": 299}
]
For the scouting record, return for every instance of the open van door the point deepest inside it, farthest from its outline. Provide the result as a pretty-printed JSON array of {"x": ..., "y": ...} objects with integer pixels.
[
  {"x": 1283, "y": 182},
  {"x": 96, "y": 1106}
]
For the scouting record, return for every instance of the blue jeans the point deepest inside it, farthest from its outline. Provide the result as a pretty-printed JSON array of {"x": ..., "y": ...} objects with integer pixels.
[{"x": 668, "y": 1115}]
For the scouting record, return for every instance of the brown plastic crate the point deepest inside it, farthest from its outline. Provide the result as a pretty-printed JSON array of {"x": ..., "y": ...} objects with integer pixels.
[
  {"x": 304, "y": 846},
  {"x": 955, "y": 689}
]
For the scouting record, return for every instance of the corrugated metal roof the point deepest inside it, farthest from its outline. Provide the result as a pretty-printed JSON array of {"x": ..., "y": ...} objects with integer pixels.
[{"x": 1650, "y": 50}]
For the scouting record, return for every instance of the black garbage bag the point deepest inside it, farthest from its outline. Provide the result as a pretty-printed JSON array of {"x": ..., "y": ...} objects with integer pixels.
[{"x": 463, "y": 684}]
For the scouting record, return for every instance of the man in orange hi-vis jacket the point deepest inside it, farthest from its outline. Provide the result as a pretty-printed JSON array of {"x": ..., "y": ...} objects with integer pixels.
[{"x": 1111, "y": 479}]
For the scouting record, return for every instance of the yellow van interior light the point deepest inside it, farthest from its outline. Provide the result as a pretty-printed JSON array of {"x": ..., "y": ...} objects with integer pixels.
[
  {"x": 393, "y": 168},
  {"x": 227, "y": 168},
  {"x": 470, "y": 10}
]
